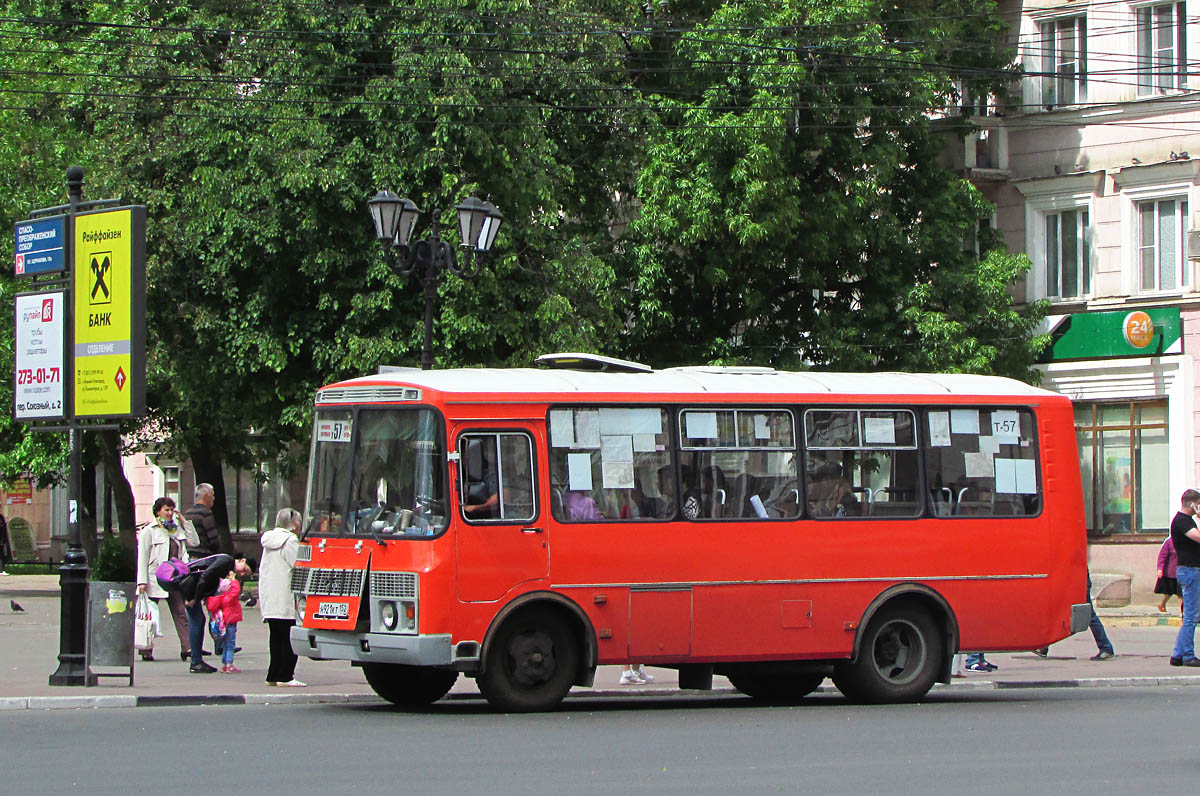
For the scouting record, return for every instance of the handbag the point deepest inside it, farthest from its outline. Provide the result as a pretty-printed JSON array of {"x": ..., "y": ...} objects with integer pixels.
[{"x": 143, "y": 623}]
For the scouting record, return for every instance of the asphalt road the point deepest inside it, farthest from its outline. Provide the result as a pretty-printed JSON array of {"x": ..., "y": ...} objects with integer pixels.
[{"x": 1096, "y": 740}]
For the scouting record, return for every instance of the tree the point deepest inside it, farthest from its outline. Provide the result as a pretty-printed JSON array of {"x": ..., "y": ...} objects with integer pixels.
[{"x": 794, "y": 210}]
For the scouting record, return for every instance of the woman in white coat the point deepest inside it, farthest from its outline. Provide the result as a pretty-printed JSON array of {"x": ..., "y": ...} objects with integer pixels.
[
  {"x": 169, "y": 536},
  {"x": 280, "y": 548}
]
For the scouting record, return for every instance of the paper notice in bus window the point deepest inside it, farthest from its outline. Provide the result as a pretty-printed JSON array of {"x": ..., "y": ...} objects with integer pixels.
[
  {"x": 562, "y": 428},
  {"x": 978, "y": 465},
  {"x": 644, "y": 443},
  {"x": 587, "y": 428},
  {"x": 989, "y": 444},
  {"x": 702, "y": 425},
  {"x": 616, "y": 448},
  {"x": 645, "y": 421},
  {"x": 964, "y": 421},
  {"x": 1006, "y": 427},
  {"x": 939, "y": 429},
  {"x": 579, "y": 471},
  {"x": 1006, "y": 476},
  {"x": 879, "y": 431},
  {"x": 762, "y": 430},
  {"x": 614, "y": 421},
  {"x": 618, "y": 475},
  {"x": 1026, "y": 476}
]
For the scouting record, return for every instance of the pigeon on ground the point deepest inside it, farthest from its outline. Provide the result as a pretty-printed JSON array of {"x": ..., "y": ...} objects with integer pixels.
[{"x": 16, "y": 606}]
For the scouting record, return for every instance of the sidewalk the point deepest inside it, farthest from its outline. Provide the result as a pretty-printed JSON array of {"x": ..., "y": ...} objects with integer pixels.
[{"x": 29, "y": 654}]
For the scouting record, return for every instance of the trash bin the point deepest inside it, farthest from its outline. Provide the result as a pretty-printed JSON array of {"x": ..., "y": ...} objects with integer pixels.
[{"x": 110, "y": 630}]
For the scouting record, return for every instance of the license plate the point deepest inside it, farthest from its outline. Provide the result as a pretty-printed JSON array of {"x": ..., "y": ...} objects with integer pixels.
[{"x": 332, "y": 611}]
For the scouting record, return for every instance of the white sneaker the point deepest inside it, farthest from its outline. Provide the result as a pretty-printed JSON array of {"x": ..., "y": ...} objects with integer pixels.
[
  {"x": 292, "y": 684},
  {"x": 645, "y": 675},
  {"x": 631, "y": 678}
]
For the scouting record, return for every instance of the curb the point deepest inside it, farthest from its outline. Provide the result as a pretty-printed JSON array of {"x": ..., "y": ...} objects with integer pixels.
[{"x": 130, "y": 701}]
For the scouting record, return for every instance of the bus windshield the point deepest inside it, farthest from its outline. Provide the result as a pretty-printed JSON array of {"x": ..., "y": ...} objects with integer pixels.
[{"x": 377, "y": 472}]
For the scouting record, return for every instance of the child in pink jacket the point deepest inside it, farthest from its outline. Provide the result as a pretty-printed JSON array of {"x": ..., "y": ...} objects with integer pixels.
[
  {"x": 225, "y": 611},
  {"x": 1167, "y": 584}
]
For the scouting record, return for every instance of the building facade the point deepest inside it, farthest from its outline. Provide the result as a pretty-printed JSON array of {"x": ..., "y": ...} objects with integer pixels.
[{"x": 1093, "y": 163}]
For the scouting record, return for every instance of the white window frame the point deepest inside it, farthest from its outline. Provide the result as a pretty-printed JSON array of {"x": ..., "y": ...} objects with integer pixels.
[
  {"x": 1083, "y": 252},
  {"x": 1052, "y": 66},
  {"x": 1183, "y": 280},
  {"x": 1077, "y": 192},
  {"x": 1161, "y": 53}
]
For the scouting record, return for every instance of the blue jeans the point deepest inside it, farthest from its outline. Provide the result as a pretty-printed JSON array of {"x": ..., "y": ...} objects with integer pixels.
[
  {"x": 1185, "y": 642},
  {"x": 229, "y": 644},
  {"x": 1097, "y": 627},
  {"x": 195, "y": 615}
]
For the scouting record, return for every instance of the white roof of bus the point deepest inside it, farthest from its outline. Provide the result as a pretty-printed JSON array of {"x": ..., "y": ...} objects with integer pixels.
[{"x": 696, "y": 380}]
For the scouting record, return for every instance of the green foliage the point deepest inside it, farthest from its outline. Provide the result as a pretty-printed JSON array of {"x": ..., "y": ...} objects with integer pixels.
[{"x": 115, "y": 563}]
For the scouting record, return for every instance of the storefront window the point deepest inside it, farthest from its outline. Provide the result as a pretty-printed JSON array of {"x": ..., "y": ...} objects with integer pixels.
[{"x": 1123, "y": 460}]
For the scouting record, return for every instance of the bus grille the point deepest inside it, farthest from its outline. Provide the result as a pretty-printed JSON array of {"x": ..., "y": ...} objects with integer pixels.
[
  {"x": 304, "y": 553},
  {"x": 394, "y": 584},
  {"x": 328, "y": 582}
]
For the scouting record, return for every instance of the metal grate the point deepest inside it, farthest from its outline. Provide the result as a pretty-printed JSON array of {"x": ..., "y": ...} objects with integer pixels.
[
  {"x": 304, "y": 553},
  {"x": 376, "y": 394},
  {"x": 328, "y": 582},
  {"x": 394, "y": 584}
]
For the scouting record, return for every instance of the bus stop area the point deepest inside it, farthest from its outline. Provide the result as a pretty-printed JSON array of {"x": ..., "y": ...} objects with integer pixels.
[{"x": 29, "y": 645}]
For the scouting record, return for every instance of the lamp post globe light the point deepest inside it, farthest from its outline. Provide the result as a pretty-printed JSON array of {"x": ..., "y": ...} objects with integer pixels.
[{"x": 395, "y": 217}]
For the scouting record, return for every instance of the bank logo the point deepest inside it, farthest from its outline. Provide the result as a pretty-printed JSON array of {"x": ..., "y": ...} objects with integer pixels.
[{"x": 101, "y": 272}]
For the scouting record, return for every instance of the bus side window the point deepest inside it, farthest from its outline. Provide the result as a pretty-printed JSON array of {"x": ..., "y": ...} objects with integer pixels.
[
  {"x": 497, "y": 475},
  {"x": 982, "y": 462}
]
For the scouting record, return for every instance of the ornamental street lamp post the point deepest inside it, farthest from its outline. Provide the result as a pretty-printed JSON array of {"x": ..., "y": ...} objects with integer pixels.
[{"x": 395, "y": 217}]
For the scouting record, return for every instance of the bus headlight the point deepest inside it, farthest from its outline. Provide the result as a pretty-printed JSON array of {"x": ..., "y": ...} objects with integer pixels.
[
  {"x": 299, "y": 598},
  {"x": 388, "y": 614}
]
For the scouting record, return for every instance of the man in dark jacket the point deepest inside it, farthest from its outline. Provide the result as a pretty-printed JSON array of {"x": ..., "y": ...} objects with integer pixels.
[{"x": 201, "y": 517}]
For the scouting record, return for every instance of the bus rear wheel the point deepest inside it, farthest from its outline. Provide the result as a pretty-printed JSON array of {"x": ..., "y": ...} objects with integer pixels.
[
  {"x": 898, "y": 661},
  {"x": 531, "y": 663},
  {"x": 776, "y": 688},
  {"x": 408, "y": 686}
]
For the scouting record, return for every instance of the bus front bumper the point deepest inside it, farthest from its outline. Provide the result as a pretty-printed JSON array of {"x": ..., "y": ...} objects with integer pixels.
[
  {"x": 340, "y": 645},
  {"x": 1081, "y": 617}
]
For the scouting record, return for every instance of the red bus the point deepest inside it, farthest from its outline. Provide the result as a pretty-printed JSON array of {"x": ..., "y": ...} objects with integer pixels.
[{"x": 523, "y": 526}]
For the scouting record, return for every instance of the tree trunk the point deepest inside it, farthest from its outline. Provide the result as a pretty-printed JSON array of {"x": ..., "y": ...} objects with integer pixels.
[
  {"x": 209, "y": 470},
  {"x": 110, "y": 454}
]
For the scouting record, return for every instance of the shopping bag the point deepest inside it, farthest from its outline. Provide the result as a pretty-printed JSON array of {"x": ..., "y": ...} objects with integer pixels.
[
  {"x": 143, "y": 623},
  {"x": 156, "y": 617}
]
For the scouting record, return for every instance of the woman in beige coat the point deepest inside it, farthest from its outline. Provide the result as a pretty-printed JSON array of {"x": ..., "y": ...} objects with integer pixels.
[
  {"x": 280, "y": 548},
  {"x": 169, "y": 536}
]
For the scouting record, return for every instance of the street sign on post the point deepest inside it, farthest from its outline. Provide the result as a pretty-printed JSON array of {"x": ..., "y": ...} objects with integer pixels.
[
  {"x": 110, "y": 313},
  {"x": 39, "y": 248},
  {"x": 40, "y": 343}
]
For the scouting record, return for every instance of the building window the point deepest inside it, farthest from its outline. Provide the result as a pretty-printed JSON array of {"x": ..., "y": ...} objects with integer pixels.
[
  {"x": 1123, "y": 458},
  {"x": 1068, "y": 262},
  {"x": 1162, "y": 230},
  {"x": 1162, "y": 48},
  {"x": 1064, "y": 61}
]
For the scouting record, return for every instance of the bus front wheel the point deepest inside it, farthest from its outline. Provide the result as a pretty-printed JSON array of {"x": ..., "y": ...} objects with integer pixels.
[
  {"x": 408, "y": 686},
  {"x": 898, "y": 661},
  {"x": 531, "y": 663}
]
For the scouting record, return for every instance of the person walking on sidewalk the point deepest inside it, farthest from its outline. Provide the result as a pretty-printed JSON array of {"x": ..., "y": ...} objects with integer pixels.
[
  {"x": 169, "y": 536},
  {"x": 1167, "y": 584},
  {"x": 1186, "y": 538},
  {"x": 280, "y": 548},
  {"x": 1104, "y": 647}
]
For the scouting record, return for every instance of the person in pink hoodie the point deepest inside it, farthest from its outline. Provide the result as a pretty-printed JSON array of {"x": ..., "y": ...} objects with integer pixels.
[
  {"x": 225, "y": 609},
  {"x": 1166, "y": 585}
]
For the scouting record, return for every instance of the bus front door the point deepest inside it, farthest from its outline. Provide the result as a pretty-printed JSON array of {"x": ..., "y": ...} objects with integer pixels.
[{"x": 500, "y": 543}]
